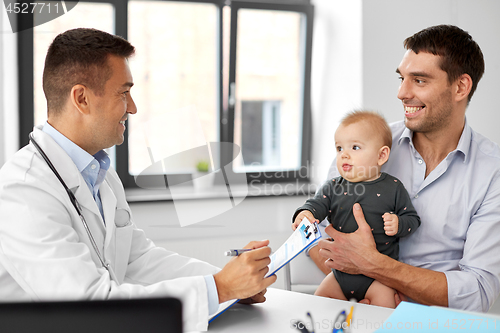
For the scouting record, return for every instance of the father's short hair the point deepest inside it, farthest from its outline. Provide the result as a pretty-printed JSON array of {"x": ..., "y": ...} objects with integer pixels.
[
  {"x": 376, "y": 121},
  {"x": 79, "y": 56},
  {"x": 460, "y": 53}
]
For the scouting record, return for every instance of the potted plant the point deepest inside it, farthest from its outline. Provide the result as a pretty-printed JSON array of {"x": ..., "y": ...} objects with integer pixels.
[
  {"x": 202, "y": 178},
  {"x": 202, "y": 166}
]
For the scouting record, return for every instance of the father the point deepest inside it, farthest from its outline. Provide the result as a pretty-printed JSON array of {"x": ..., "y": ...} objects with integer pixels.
[{"x": 452, "y": 174}]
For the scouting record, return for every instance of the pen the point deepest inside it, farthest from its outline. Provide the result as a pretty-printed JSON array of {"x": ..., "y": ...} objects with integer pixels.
[
  {"x": 349, "y": 316},
  {"x": 236, "y": 252},
  {"x": 339, "y": 322}
]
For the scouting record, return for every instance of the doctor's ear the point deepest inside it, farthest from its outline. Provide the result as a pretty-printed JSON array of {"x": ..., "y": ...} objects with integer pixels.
[{"x": 79, "y": 97}]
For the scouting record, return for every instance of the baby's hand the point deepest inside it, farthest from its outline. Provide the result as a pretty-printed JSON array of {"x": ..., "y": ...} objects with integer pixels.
[
  {"x": 391, "y": 224},
  {"x": 302, "y": 214}
]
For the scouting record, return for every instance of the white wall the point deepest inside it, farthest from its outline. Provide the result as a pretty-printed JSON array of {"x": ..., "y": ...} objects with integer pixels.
[
  {"x": 386, "y": 23},
  {"x": 253, "y": 219},
  {"x": 358, "y": 45},
  {"x": 337, "y": 74}
]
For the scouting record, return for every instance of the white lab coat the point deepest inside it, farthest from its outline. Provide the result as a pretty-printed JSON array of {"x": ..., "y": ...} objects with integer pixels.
[{"x": 46, "y": 254}]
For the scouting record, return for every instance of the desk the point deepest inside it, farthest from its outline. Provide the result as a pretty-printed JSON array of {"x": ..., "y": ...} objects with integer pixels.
[{"x": 278, "y": 313}]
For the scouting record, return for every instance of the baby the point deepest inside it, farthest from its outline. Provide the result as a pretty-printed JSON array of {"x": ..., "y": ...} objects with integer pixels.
[{"x": 363, "y": 142}]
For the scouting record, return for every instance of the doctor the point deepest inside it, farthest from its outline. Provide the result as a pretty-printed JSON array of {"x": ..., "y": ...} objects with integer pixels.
[{"x": 46, "y": 251}]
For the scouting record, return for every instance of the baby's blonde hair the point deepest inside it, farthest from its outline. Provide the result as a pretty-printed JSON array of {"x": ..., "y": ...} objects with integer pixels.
[{"x": 375, "y": 119}]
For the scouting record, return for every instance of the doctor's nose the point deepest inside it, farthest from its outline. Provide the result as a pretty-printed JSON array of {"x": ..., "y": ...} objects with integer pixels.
[{"x": 131, "y": 107}]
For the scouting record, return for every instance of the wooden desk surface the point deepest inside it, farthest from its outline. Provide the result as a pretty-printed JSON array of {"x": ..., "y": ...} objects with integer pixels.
[{"x": 282, "y": 308}]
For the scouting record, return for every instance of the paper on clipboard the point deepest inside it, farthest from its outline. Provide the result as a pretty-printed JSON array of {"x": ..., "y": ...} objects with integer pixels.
[{"x": 304, "y": 236}]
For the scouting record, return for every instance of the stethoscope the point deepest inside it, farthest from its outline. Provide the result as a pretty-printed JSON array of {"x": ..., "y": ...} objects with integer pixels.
[{"x": 75, "y": 203}]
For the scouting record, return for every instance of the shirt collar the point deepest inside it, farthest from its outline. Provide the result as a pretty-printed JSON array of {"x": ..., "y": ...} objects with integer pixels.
[
  {"x": 79, "y": 156},
  {"x": 465, "y": 140},
  {"x": 406, "y": 135},
  {"x": 463, "y": 144}
]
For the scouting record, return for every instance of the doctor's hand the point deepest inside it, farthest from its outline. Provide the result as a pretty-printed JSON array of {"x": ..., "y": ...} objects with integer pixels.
[
  {"x": 257, "y": 298},
  {"x": 351, "y": 253},
  {"x": 243, "y": 276}
]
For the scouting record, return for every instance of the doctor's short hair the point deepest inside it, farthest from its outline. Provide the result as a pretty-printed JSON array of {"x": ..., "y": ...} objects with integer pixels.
[
  {"x": 460, "y": 54},
  {"x": 80, "y": 56},
  {"x": 376, "y": 120}
]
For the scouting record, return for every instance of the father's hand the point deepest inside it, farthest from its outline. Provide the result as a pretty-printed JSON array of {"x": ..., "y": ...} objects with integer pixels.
[
  {"x": 350, "y": 252},
  {"x": 243, "y": 276}
]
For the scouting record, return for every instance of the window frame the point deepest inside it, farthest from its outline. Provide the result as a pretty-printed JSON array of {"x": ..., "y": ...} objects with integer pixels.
[
  {"x": 122, "y": 153},
  {"x": 279, "y": 176},
  {"x": 25, "y": 50}
]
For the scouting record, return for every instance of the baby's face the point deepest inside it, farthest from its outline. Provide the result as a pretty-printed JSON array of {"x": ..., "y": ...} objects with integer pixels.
[{"x": 358, "y": 152}]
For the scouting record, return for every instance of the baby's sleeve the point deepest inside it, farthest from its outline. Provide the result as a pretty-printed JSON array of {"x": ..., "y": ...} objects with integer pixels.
[
  {"x": 409, "y": 220},
  {"x": 320, "y": 204}
]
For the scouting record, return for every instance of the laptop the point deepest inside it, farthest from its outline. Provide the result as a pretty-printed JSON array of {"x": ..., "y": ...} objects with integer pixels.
[{"x": 152, "y": 315}]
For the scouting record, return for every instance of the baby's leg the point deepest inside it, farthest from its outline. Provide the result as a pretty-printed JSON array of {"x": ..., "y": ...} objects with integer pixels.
[
  {"x": 381, "y": 295},
  {"x": 329, "y": 287}
]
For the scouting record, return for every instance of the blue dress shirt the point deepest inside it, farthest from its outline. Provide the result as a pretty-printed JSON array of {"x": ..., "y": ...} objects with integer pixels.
[
  {"x": 92, "y": 168},
  {"x": 459, "y": 207}
]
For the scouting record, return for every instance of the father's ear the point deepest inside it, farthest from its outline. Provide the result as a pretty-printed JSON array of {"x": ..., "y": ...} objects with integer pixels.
[
  {"x": 383, "y": 155},
  {"x": 79, "y": 98},
  {"x": 463, "y": 87}
]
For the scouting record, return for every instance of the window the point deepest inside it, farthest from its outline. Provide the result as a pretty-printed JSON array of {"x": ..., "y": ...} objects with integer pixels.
[
  {"x": 204, "y": 72},
  {"x": 268, "y": 63},
  {"x": 177, "y": 82},
  {"x": 260, "y": 138}
]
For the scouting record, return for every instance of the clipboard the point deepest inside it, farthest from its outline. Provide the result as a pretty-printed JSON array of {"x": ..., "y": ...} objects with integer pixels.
[{"x": 303, "y": 237}]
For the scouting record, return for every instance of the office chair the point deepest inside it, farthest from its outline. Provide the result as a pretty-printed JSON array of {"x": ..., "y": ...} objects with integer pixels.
[{"x": 302, "y": 274}]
